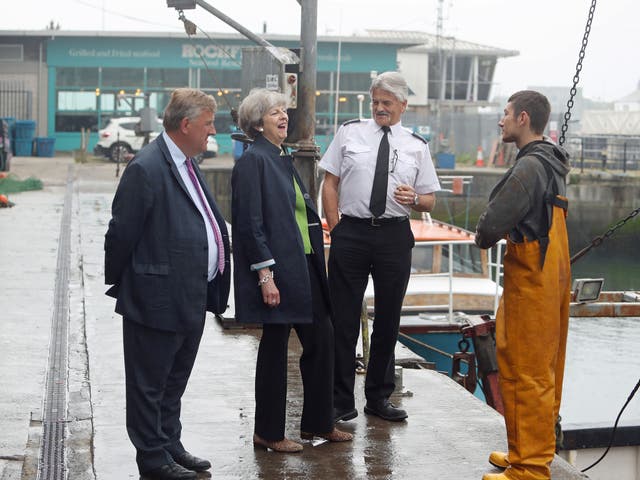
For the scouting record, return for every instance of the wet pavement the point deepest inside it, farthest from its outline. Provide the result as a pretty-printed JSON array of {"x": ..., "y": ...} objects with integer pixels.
[{"x": 448, "y": 434}]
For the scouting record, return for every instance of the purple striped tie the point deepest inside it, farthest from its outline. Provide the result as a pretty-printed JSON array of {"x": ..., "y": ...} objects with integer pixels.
[{"x": 214, "y": 224}]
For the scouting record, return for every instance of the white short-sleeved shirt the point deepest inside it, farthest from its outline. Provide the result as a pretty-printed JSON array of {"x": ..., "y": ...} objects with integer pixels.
[{"x": 352, "y": 157}]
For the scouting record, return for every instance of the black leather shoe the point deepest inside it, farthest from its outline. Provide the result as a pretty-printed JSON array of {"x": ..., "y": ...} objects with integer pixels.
[
  {"x": 170, "y": 471},
  {"x": 385, "y": 410},
  {"x": 192, "y": 463},
  {"x": 344, "y": 415}
]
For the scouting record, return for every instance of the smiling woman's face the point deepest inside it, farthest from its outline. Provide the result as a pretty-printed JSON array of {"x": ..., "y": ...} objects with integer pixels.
[{"x": 274, "y": 123}]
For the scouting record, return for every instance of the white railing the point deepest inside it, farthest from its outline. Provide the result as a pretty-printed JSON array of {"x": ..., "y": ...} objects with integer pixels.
[{"x": 494, "y": 273}]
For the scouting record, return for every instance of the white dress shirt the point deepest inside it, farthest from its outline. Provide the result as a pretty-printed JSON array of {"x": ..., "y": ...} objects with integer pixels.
[
  {"x": 179, "y": 159},
  {"x": 352, "y": 157}
]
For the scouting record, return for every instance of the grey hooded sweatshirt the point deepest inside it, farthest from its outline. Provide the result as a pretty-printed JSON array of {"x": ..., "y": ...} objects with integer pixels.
[{"x": 517, "y": 203}]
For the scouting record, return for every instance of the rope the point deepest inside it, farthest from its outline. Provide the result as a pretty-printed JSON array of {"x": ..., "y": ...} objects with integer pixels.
[{"x": 615, "y": 427}]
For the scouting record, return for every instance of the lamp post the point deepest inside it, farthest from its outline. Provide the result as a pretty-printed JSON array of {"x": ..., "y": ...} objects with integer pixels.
[{"x": 360, "y": 98}]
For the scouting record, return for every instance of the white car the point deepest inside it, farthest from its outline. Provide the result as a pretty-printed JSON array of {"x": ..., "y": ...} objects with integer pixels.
[
  {"x": 212, "y": 149},
  {"x": 120, "y": 138}
]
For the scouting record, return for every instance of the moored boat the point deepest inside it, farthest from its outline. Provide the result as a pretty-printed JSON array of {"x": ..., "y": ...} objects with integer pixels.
[
  {"x": 449, "y": 273},
  {"x": 455, "y": 287},
  {"x": 609, "y": 304}
]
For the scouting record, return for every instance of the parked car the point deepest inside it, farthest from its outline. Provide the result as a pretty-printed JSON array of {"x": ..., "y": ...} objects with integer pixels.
[
  {"x": 212, "y": 149},
  {"x": 121, "y": 137}
]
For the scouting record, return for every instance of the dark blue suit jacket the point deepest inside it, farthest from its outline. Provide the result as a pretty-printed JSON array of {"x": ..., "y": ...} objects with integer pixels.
[{"x": 156, "y": 249}]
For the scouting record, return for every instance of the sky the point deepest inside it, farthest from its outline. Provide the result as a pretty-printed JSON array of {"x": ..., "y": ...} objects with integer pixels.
[{"x": 547, "y": 33}]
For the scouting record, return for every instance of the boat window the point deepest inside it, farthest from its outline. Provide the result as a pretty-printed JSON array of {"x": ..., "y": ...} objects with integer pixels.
[
  {"x": 467, "y": 259},
  {"x": 422, "y": 259},
  {"x": 430, "y": 258}
]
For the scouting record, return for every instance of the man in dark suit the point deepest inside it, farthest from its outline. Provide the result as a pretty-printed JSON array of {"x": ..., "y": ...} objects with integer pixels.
[{"x": 167, "y": 257}]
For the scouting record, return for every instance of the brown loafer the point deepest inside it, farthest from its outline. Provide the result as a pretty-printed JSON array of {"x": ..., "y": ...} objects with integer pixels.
[
  {"x": 333, "y": 436},
  {"x": 285, "y": 445}
]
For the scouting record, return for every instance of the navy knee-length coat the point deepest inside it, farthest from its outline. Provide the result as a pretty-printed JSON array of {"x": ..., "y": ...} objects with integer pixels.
[{"x": 264, "y": 228}]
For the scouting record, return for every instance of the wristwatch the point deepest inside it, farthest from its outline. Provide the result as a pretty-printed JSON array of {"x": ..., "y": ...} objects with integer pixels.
[{"x": 416, "y": 199}]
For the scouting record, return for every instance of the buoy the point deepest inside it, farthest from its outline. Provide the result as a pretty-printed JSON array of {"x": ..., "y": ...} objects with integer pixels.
[
  {"x": 5, "y": 202},
  {"x": 457, "y": 185},
  {"x": 479, "y": 158}
]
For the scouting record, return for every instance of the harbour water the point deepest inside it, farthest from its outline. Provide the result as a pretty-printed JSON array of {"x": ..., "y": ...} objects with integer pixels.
[
  {"x": 602, "y": 368},
  {"x": 615, "y": 261},
  {"x": 603, "y": 365}
]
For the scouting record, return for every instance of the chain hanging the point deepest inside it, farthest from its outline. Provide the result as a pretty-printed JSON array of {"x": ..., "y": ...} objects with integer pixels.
[
  {"x": 576, "y": 77},
  {"x": 598, "y": 240},
  {"x": 565, "y": 125}
]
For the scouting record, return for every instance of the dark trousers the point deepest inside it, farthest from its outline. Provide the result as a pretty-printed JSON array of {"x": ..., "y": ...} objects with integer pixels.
[
  {"x": 316, "y": 368},
  {"x": 157, "y": 367},
  {"x": 357, "y": 250}
]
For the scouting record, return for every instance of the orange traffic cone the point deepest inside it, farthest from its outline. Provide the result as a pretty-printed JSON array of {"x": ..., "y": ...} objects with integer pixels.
[{"x": 479, "y": 158}]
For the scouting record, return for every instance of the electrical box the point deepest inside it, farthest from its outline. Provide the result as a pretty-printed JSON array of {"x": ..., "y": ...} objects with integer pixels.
[
  {"x": 273, "y": 68},
  {"x": 291, "y": 89},
  {"x": 148, "y": 120}
]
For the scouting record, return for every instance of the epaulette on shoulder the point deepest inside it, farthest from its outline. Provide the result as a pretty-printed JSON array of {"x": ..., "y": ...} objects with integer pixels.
[
  {"x": 349, "y": 122},
  {"x": 419, "y": 137}
]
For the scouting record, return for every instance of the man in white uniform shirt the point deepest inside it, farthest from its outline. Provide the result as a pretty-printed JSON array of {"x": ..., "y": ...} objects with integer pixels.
[{"x": 376, "y": 172}]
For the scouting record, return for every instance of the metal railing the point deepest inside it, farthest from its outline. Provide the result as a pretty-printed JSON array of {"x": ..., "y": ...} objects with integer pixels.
[{"x": 494, "y": 273}]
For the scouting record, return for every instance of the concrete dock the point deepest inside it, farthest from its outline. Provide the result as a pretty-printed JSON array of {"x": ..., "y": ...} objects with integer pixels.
[{"x": 448, "y": 435}]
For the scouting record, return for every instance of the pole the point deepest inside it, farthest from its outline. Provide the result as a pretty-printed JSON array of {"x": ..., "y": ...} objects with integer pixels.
[
  {"x": 337, "y": 98},
  {"x": 360, "y": 101},
  {"x": 453, "y": 93},
  {"x": 233, "y": 24},
  {"x": 304, "y": 130}
]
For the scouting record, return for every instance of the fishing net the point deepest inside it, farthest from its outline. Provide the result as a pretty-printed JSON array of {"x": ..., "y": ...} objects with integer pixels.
[{"x": 12, "y": 184}]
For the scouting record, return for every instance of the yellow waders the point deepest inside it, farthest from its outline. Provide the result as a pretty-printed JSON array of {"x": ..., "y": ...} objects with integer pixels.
[{"x": 531, "y": 337}]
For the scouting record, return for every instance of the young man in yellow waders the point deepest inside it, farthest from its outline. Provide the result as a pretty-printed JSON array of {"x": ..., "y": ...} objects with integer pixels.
[{"x": 528, "y": 207}]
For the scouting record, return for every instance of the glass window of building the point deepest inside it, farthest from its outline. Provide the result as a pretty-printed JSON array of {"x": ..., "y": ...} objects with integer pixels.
[
  {"x": 167, "y": 78},
  {"x": 128, "y": 79},
  {"x": 77, "y": 77},
  {"x": 220, "y": 79},
  {"x": 75, "y": 110}
]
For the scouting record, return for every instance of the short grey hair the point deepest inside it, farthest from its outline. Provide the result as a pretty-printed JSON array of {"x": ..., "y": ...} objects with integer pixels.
[
  {"x": 391, "y": 82},
  {"x": 186, "y": 103},
  {"x": 255, "y": 106}
]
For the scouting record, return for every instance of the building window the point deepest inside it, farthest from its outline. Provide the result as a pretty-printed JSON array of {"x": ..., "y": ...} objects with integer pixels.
[
  {"x": 167, "y": 78},
  {"x": 11, "y": 53},
  {"x": 76, "y": 77},
  {"x": 463, "y": 81},
  {"x": 220, "y": 79},
  {"x": 76, "y": 110},
  {"x": 128, "y": 79},
  {"x": 76, "y": 100}
]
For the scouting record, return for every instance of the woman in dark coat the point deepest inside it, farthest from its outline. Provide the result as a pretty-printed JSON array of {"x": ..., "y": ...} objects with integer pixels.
[{"x": 280, "y": 277}]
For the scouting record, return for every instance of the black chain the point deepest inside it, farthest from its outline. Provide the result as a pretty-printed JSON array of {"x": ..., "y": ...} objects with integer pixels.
[
  {"x": 576, "y": 77},
  {"x": 598, "y": 240}
]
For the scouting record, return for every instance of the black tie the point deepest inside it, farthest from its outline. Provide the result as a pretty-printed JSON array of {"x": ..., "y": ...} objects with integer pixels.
[{"x": 378, "y": 201}]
